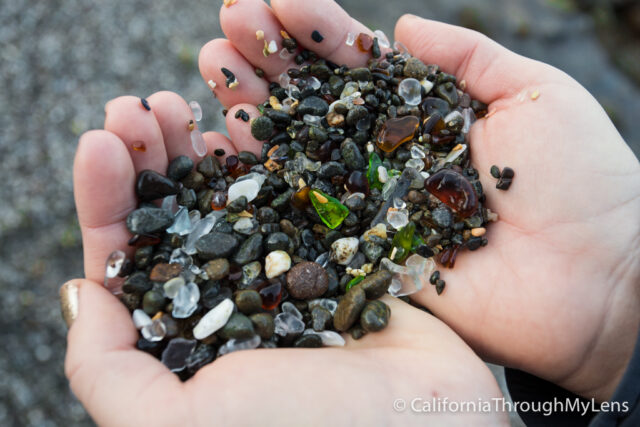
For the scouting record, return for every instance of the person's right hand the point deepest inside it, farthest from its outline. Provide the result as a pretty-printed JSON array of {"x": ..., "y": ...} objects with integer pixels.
[{"x": 555, "y": 292}]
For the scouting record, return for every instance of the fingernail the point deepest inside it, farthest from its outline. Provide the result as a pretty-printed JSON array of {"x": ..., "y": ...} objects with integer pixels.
[{"x": 69, "y": 302}]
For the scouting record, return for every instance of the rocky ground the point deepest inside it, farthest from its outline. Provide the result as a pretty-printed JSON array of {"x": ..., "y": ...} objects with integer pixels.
[{"x": 61, "y": 60}]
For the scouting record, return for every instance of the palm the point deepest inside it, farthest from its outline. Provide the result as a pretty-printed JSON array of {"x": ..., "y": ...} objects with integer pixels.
[{"x": 535, "y": 296}]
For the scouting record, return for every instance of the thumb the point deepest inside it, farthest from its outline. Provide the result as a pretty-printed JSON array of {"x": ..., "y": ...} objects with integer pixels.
[
  {"x": 490, "y": 70},
  {"x": 116, "y": 383}
]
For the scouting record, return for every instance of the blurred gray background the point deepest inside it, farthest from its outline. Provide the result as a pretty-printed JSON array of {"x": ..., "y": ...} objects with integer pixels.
[{"x": 62, "y": 60}]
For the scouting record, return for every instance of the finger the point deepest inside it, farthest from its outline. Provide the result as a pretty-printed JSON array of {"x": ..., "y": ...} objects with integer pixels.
[
  {"x": 331, "y": 21},
  {"x": 240, "y": 23},
  {"x": 105, "y": 369},
  {"x": 490, "y": 70},
  {"x": 216, "y": 141},
  {"x": 173, "y": 115},
  {"x": 139, "y": 130},
  {"x": 103, "y": 176},
  {"x": 220, "y": 53},
  {"x": 240, "y": 131}
]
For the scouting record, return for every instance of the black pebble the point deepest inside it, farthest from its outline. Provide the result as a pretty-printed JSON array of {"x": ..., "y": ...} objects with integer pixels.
[
  {"x": 316, "y": 36},
  {"x": 219, "y": 152},
  {"x": 145, "y": 104}
]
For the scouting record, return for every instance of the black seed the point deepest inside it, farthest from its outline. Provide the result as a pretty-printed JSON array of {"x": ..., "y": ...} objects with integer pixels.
[
  {"x": 495, "y": 171},
  {"x": 375, "y": 49},
  {"x": 259, "y": 72},
  {"x": 316, "y": 36},
  {"x": 145, "y": 104},
  {"x": 241, "y": 114},
  {"x": 435, "y": 276},
  {"x": 231, "y": 78},
  {"x": 218, "y": 152},
  {"x": 507, "y": 173}
]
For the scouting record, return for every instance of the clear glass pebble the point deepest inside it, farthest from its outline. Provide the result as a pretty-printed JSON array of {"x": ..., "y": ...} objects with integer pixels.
[
  {"x": 172, "y": 286},
  {"x": 248, "y": 188},
  {"x": 287, "y": 324},
  {"x": 410, "y": 90},
  {"x": 175, "y": 355},
  {"x": 383, "y": 40},
  {"x": 455, "y": 153},
  {"x": 155, "y": 331},
  {"x": 312, "y": 120},
  {"x": 325, "y": 303},
  {"x": 292, "y": 90},
  {"x": 287, "y": 103},
  {"x": 284, "y": 79},
  {"x": 140, "y": 318},
  {"x": 351, "y": 39},
  {"x": 417, "y": 152},
  {"x": 239, "y": 344},
  {"x": 196, "y": 109},
  {"x": 469, "y": 119},
  {"x": 425, "y": 175},
  {"x": 288, "y": 307},
  {"x": 198, "y": 144},
  {"x": 201, "y": 228},
  {"x": 285, "y": 54},
  {"x": 185, "y": 302},
  {"x": 389, "y": 187},
  {"x": 400, "y": 47},
  {"x": 397, "y": 218},
  {"x": 181, "y": 223},
  {"x": 398, "y": 203},
  {"x": 417, "y": 164},
  {"x": 260, "y": 178},
  {"x": 170, "y": 204},
  {"x": 314, "y": 83}
]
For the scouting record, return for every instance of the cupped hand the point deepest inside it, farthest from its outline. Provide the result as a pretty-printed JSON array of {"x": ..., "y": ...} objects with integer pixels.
[
  {"x": 555, "y": 291},
  {"x": 416, "y": 358}
]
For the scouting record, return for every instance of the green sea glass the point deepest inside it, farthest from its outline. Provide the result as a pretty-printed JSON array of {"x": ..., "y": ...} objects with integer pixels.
[
  {"x": 329, "y": 209},
  {"x": 402, "y": 243}
]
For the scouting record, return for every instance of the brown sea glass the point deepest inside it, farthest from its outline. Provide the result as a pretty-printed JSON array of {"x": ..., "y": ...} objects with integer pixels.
[
  {"x": 454, "y": 190},
  {"x": 300, "y": 199},
  {"x": 448, "y": 256},
  {"x": 396, "y": 132},
  {"x": 364, "y": 42}
]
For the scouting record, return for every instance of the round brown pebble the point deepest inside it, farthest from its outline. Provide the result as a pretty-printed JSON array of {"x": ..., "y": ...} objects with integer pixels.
[
  {"x": 375, "y": 285},
  {"x": 162, "y": 272},
  {"x": 349, "y": 309},
  {"x": 248, "y": 301},
  {"x": 307, "y": 280},
  {"x": 217, "y": 269}
]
